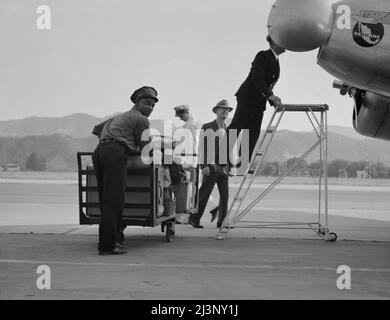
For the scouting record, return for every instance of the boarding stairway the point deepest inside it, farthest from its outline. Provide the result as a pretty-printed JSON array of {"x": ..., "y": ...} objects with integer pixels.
[{"x": 317, "y": 115}]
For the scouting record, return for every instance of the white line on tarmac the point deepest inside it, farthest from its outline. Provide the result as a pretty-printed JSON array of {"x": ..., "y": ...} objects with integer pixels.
[
  {"x": 315, "y": 187},
  {"x": 37, "y": 181},
  {"x": 199, "y": 266}
]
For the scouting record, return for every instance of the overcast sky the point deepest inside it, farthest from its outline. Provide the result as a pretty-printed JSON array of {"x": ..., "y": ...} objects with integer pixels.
[{"x": 193, "y": 52}]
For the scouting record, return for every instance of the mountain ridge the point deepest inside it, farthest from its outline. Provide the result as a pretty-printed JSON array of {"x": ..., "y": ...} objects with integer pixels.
[
  {"x": 79, "y": 125},
  {"x": 59, "y": 139}
]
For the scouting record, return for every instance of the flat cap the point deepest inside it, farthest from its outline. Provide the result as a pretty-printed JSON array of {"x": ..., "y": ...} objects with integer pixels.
[
  {"x": 222, "y": 104},
  {"x": 144, "y": 92},
  {"x": 181, "y": 108}
]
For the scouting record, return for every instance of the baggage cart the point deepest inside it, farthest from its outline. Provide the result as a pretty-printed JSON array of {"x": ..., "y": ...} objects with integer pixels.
[{"x": 145, "y": 204}]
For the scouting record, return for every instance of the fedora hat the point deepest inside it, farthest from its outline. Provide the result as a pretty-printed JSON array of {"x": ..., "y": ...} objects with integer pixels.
[{"x": 222, "y": 104}]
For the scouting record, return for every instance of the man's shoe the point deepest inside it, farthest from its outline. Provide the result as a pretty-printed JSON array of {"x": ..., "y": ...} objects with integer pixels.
[
  {"x": 195, "y": 225},
  {"x": 223, "y": 230},
  {"x": 115, "y": 251},
  {"x": 119, "y": 245},
  {"x": 214, "y": 213},
  {"x": 219, "y": 236}
]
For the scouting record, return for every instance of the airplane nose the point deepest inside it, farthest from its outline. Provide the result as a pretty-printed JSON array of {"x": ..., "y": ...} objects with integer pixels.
[{"x": 301, "y": 25}]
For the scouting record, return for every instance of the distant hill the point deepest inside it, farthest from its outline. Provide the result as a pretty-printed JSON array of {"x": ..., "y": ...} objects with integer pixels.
[
  {"x": 77, "y": 125},
  {"x": 288, "y": 144},
  {"x": 58, "y": 150},
  {"x": 58, "y": 140},
  {"x": 346, "y": 131}
]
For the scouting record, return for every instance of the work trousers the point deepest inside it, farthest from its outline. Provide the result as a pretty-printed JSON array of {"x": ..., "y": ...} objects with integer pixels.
[
  {"x": 109, "y": 160},
  {"x": 205, "y": 190}
]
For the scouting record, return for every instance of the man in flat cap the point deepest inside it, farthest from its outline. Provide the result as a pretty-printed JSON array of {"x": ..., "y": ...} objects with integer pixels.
[
  {"x": 189, "y": 163},
  {"x": 214, "y": 165},
  {"x": 254, "y": 93},
  {"x": 118, "y": 137},
  {"x": 190, "y": 123}
]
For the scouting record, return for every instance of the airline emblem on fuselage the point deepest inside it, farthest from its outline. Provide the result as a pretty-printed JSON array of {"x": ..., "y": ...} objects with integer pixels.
[{"x": 369, "y": 29}]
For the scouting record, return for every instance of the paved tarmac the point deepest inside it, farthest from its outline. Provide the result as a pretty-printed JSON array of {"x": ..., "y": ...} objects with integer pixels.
[
  {"x": 38, "y": 226},
  {"x": 192, "y": 268}
]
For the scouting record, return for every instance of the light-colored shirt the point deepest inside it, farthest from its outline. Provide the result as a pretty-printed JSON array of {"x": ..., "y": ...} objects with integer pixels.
[
  {"x": 276, "y": 56},
  {"x": 192, "y": 124},
  {"x": 128, "y": 127},
  {"x": 221, "y": 125}
]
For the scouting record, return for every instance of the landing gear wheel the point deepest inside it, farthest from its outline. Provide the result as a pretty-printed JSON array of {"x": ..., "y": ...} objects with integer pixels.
[
  {"x": 332, "y": 237},
  {"x": 170, "y": 231}
]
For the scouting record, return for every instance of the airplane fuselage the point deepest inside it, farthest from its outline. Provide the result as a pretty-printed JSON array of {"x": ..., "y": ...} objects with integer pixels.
[
  {"x": 357, "y": 51},
  {"x": 353, "y": 38}
]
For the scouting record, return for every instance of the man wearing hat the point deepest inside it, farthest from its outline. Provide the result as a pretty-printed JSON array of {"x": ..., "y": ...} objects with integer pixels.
[
  {"x": 214, "y": 165},
  {"x": 254, "y": 93},
  {"x": 118, "y": 137},
  {"x": 190, "y": 123}
]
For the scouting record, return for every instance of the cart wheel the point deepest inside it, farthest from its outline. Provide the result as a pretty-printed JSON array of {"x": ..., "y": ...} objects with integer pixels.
[
  {"x": 322, "y": 231},
  {"x": 170, "y": 232},
  {"x": 332, "y": 237}
]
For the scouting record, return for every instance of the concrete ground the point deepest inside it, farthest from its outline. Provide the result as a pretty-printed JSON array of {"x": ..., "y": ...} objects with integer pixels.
[
  {"x": 194, "y": 266},
  {"x": 248, "y": 264}
]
